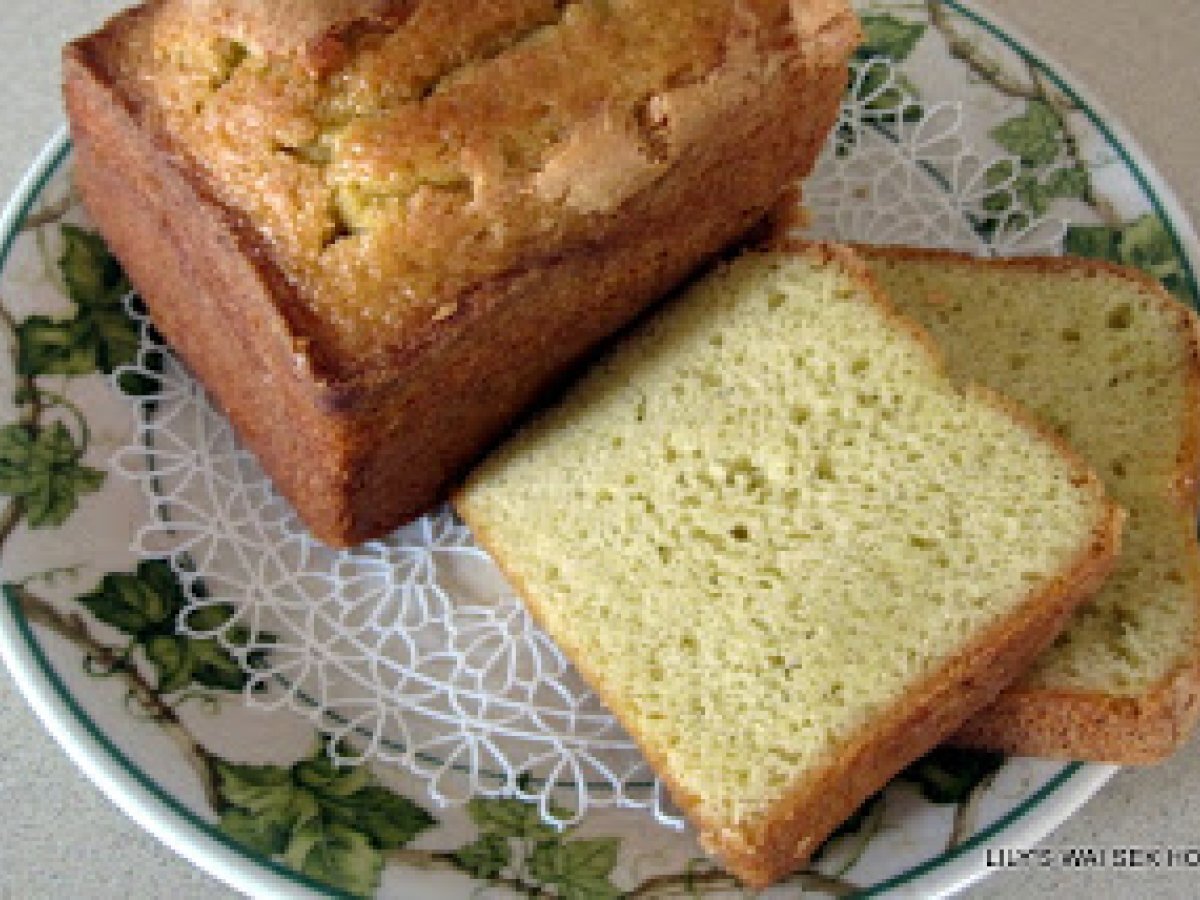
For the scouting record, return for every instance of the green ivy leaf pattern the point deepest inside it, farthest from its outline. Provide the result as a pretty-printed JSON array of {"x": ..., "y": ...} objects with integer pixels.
[
  {"x": 96, "y": 283},
  {"x": 139, "y": 602},
  {"x": 1037, "y": 194},
  {"x": 1033, "y": 136},
  {"x": 266, "y": 833},
  {"x": 323, "y": 778},
  {"x": 949, "y": 775},
  {"x": 256, "y": 789},
  {"x": 486, "y": 857},
  {"x": 1094, "y": 242},
  {"x": 1036, "y": 137},
  {"x": 887, "y": 35},
  {"x": 514, "y": 839},
  {"x": 335, "y": 854},
  {"x": 330, "y": 823},
  {"x": 389, "y": 820},
  {"x": 90, "y": 272},
  {"x": 180, "y": 661},
  {"x": 1145, "y": 243},
  {"x": 579, "y": 869},
  {"x": 100, "y": 336},
  {"x": 145, "y": 604},
  {"x": 169, "y": 655},
  {"x": 892, "y": 99},
  {"x": 1069, "y": 182},
  {"x": 49, "y": 347},
  {"x": 509, "y": 818},
  {"x": 42, "y": 468}
]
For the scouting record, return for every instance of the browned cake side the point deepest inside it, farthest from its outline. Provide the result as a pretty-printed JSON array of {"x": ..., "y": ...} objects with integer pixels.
[{"x": 373, "y": 279}]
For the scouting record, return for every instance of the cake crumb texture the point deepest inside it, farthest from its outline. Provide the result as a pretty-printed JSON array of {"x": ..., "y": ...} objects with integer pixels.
[
  {"x": 1112, "y": 364},
  {"x": 766, "y": 520}
]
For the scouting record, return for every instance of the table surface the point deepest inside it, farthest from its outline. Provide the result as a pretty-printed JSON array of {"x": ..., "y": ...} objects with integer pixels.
[{"x": 60, "y": 838}]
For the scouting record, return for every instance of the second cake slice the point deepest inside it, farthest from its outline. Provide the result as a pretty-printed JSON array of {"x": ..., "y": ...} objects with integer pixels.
[
  {"x": 1109, "y": 360},
  {"x": 788, "y": 553}
]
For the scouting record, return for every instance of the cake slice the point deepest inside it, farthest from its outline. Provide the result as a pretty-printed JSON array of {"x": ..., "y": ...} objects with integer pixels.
[
  {"x": 788, "y": 553},
  {"x": 1112, "y": 362}
]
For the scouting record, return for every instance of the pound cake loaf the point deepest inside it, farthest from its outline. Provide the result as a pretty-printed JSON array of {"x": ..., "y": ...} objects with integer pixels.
[
  {"x": 788, "y": 553},
  {"x": 1109, "y": 360},
  {"x": 378, "y": 229}
]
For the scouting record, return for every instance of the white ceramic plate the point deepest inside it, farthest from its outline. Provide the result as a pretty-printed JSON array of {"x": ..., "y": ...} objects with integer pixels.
[{"x": 146, "y": 672}]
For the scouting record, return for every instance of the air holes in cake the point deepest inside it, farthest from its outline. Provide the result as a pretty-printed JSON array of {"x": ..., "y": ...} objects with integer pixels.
[
  {"x": 775, "y": 300},
  {"x": 1070, "y": 335},
  {"x": 860, "y": 366},
  {"x": 1119, "y": 317},
  {"x": 1017, "y": 361},
  {"x": 716, "y": 340},
  {"x": 800, "y": 414},
  {"x": 1118, "y": 468},
  {"x": 739, "y": 533},
  {"x": 824, "y": 469}
]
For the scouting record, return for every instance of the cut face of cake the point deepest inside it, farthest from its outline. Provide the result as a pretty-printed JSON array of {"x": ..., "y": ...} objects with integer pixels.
[
  {"x": 785, "y": 548},
  {"x": 1110, "y": 361}
]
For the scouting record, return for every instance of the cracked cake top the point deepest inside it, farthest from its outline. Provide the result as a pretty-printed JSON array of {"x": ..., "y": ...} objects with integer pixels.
[{"x": 396, "y": 154}]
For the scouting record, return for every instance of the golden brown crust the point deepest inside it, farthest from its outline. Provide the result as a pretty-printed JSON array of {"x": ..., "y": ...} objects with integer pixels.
[
  {"x": 409, "y": 177},
  {"x": 798, "y": 824},
  {"x": 1074, "y": 725},
  {"x": 187, "y": 259},
  {"x": 360, "y": 445},
  {"x": 311, "y": 30},
  {"x": 1083, "y": 725}
]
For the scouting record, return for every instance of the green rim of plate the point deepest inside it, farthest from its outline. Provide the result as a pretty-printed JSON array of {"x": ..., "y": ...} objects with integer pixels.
[{"x": 51, "y": 167}]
